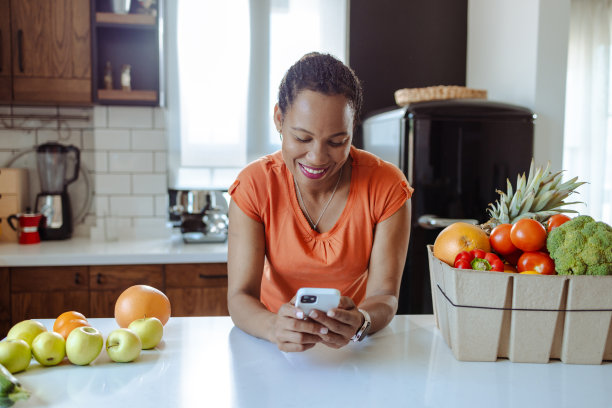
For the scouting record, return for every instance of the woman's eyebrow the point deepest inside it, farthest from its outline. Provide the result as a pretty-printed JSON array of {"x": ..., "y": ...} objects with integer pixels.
[{"x": 299, "y": 129}]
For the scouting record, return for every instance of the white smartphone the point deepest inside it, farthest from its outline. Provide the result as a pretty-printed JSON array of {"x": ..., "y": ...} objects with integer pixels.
[{"x": 322, "y": 299}]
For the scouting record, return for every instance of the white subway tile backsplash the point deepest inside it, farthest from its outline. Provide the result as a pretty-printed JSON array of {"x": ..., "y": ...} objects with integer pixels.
[
  {"x": 112, "y": 183},
  {"x": 87, "y": 138},
  {"x": 75, "y": 111},
  {"x": 101, "y": 206},
  {"x": 96, "y": 161},
  {"x": 17, "y": 139},
  {"x": 159, "y": 118},
  {"x": 133, "y": 162},
  {"x": 5, "y": 110},
  {"x": 130, "y": 117},
  {"x": 111, "y": 139},
  {"x": 160, "y": 162},
  {"x": 149, "y": 184},
  {"x": 35, "y": 110},
  {"x": 149, "y": 140},
  {"x": 148, "y": 221},
  {"x": 63, "y": 136},
  {"x": 161, "y": 206},
  {"x": 100, "y": 117},
  {"x": 131, "y": 206}
]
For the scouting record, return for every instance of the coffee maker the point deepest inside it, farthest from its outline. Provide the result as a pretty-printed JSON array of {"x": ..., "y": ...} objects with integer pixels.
[{"x": 52, "y": 202}]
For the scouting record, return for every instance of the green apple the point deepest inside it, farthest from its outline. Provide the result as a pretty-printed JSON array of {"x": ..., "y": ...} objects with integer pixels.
[
  {"x": 15, "y": 354},
  {"x": 26, "y": 330},
  {"x": 49, "y": 348},
  {"x": 123, "y": 345},
  {"x": 83, "y": 345},
  {"x": 149, "y": 329}
]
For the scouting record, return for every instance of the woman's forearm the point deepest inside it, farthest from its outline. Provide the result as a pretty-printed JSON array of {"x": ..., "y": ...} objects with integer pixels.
[{"x": 250, "y": 315}]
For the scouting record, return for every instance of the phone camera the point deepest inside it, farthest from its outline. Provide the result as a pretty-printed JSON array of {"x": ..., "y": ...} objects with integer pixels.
[{"x": 308, "y": 299}]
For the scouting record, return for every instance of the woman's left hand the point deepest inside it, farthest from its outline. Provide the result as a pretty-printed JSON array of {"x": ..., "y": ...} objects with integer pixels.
[{"x": 342, "y": 323}]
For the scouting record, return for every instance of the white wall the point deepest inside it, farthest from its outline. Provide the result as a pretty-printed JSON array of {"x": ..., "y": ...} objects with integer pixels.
[{"x": 517, "y": 51}]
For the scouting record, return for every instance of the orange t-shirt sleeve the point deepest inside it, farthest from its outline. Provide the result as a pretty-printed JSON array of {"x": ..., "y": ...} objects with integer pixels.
[
  {"x": 391, "y": 189},
  {"x": 247, "y": 193}
]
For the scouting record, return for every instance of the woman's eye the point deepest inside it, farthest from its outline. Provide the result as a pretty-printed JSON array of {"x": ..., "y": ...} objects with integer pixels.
[
  {"x": 299, "y": 139},
  {"x": 336, "y": 144}
]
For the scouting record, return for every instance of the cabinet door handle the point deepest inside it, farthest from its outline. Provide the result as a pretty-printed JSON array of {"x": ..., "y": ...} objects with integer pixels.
[
  {"x": 99, "y": 279},
  {"x": 77, "y": 278},
  {"x": 202, "y": 276},
  {"x": 20, "y": 49}
]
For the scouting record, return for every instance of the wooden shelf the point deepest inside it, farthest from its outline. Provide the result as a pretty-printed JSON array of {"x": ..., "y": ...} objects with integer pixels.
[
  {"x": 127, "y": 19},
  {"x": 134, "y": 95}
]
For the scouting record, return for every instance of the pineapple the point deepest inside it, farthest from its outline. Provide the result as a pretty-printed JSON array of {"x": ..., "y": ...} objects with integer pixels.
[{"x": 538, "y": 197}]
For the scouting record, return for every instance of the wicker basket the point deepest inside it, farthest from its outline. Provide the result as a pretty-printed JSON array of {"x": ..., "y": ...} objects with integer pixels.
[{"x": 409, "y": 95}]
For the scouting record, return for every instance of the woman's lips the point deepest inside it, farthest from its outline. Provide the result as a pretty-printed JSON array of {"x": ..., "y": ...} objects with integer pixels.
[{"x": 312, "y": 172}]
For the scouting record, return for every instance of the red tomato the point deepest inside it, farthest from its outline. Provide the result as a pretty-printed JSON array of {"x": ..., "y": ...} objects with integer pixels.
[
  {"x": 556, "y": 220},
  {"x": 513, "y": 257},
  {"x": 500, "y": 239},
  {"x": 528, "y": 235},
  {"x": 536, "y": 261}
]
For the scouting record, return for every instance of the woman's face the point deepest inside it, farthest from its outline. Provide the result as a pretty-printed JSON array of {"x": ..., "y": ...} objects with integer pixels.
[{"x": 317, "y": 133}]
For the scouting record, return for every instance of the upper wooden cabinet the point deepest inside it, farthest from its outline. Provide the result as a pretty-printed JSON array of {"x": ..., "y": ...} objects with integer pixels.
[
  {"x": 50, "y": 51},
  {"x": 5, "y": 52}
]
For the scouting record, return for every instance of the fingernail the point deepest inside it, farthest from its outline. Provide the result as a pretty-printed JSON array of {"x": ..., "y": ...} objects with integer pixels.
[
  {"x": 323, "y": 330},
  {"x": 299, "y": 314},
  {"x": 313, "y": 314},
  {"x": 331, "y": 313}
]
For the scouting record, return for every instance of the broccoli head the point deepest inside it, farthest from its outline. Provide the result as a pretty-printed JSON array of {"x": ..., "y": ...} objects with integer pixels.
[{"x": 581, "y": 246}]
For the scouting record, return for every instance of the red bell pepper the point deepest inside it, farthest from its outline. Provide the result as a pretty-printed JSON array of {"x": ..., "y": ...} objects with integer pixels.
[{"x": 479, "y": 260}]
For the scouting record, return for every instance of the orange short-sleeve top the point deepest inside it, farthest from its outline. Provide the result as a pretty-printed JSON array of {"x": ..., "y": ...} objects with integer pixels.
[{"x": 296, "y": 255}]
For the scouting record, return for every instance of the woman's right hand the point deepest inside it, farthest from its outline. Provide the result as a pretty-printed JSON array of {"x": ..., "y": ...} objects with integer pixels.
[{"x": 291, "y": 332}]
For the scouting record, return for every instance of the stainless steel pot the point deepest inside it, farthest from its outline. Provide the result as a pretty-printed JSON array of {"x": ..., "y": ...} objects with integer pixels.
[
  {"x": 200, "y": 214},
  {"x": 197, "y": 201}
]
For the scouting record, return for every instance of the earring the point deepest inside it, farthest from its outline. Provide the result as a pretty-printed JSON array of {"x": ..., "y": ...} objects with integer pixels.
[{"x": 281, "y": 135}]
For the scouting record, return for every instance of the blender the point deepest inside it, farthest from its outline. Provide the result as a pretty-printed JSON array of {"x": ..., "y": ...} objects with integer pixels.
[{"x": 53, "y": 202}]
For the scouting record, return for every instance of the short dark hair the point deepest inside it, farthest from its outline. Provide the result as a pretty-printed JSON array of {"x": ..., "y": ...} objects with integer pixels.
[{"x": 321, "y": 73}]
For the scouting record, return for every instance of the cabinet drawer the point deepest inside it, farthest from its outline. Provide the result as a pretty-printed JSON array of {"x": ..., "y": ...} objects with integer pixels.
[
  {"x": 209, "y": 275},
  {"x": 49, "y": 279},
  {"x": 105, "y": 277}
]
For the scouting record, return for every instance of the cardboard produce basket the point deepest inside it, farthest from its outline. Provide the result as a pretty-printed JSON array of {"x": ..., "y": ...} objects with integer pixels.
[{"x": 526, "y": 318}]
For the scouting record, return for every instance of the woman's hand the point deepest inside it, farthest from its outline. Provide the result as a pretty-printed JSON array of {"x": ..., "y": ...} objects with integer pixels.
[
  {"x": 291, "y": 332},
  {"x": 342, "y": 323}
]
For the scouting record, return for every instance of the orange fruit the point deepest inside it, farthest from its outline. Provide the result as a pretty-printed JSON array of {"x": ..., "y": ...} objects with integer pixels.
[
  {"x": 69, "y": 326},
  {"x": 140, "y": 301},
  {"x": 65, "y": 317},
  {"x": 457, "y": 237}
]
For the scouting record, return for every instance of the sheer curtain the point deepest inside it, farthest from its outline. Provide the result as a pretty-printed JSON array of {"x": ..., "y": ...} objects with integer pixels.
[
  {"x": 225, "y": 60},
  {"x": 587, "y": 147}
]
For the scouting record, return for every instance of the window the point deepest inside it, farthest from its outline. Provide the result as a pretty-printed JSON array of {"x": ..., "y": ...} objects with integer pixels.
[
  {"x": 587, "y": 144},
  {"x": 225, "y": 62}
]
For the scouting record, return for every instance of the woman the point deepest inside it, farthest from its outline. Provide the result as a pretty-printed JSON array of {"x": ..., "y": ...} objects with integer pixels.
[{"x": 318, "y": 213}]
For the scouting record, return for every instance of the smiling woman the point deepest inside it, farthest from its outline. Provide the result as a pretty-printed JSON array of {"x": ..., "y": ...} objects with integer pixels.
[{"x": 225, "y": 60}]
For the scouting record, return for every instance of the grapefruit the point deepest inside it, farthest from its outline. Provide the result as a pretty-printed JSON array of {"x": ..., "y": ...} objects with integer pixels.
[
  {"x": 140, "y": 301},
  {"x": 458, "y": 237}
]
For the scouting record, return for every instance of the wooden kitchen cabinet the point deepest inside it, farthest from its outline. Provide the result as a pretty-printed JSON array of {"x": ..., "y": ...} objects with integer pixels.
[
  {"x": 46, "y": 292},
  {"x": 50, "y": 50},
  {"x": 126, "y": 39},
  {"x": 6, "y": 94},
  {"x": 107, "y": 282},
  {"x": 5, "y": 302},
  {"x": 197, "y": 289}
]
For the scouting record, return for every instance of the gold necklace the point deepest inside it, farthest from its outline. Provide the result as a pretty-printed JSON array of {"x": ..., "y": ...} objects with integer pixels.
[{"x": 314, "y": 224}]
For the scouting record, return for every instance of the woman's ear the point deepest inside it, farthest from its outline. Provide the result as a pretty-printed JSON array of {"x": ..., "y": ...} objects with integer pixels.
[{"x": 278, "y": 118}]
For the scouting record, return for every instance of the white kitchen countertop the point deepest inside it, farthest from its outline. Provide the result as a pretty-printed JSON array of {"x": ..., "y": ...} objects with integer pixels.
[
  {"x": 83, "y": 251},
  {"x": 206, "y": 361}
]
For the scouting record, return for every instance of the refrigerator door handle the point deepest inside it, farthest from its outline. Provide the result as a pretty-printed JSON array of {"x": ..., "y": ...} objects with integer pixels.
[{"x": 429, "y": 221}]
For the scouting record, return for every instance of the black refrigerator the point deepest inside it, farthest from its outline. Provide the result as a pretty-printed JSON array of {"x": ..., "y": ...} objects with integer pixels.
[{"x": 456, "y": 154}]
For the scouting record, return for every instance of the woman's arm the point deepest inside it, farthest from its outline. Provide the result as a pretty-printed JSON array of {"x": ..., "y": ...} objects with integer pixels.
[
  {"x": 245, "y": 262},
  {"x": 384, "y": 279}
]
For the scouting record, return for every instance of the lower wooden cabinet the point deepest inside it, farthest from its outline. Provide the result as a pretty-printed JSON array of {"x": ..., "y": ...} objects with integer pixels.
[
  {"x": 197, "y": 289},
  {"x": 46, "y": 292},
  {"x": 107, "y": 282}
]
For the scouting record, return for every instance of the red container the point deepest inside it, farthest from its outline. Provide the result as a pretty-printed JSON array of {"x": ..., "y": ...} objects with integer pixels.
[{"x": 27, "y": 228}]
